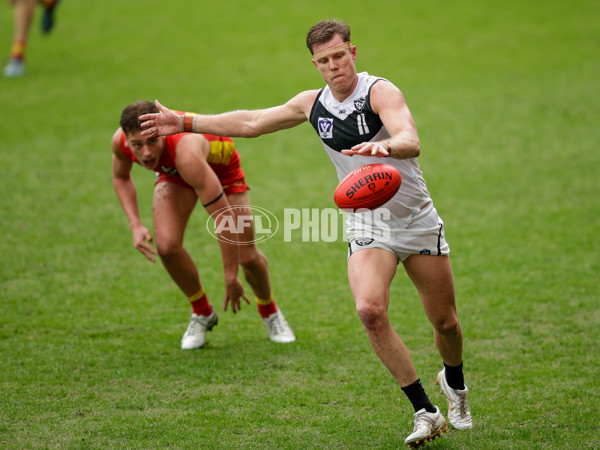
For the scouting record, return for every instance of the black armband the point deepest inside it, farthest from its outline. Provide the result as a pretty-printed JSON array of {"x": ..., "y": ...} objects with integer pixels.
[{"x": 215, "y": 200}]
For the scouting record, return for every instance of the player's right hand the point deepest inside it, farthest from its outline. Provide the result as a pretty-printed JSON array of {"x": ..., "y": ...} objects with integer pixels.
[
  {"x": 142, "y": 240},
  {"x": 163, "y": 123},
  {"x": 234, "y": 291}
]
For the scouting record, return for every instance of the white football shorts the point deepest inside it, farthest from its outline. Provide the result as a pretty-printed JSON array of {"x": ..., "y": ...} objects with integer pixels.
[{"x": 424, "y": 235}]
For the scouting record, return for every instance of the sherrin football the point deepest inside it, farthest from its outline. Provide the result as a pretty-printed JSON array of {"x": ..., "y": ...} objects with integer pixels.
[{"x": 368, "y": 187}]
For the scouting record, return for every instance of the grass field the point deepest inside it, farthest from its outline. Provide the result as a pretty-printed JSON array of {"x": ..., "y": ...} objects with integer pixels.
[{"x": 507, "y": 102}]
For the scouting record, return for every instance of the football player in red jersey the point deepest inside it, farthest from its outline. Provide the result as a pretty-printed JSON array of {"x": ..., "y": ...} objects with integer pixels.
[{"x": 192, "y": 167}]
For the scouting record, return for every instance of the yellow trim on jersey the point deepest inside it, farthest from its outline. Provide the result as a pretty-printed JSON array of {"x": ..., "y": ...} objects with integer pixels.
[{"x": 220, "y": 152}]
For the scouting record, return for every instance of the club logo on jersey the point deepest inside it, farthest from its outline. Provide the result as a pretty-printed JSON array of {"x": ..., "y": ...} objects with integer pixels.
[
  {"x": 360, "y": 103},
  {"x": 169, "y": 170},
  {"x": 325, "y": 127}
]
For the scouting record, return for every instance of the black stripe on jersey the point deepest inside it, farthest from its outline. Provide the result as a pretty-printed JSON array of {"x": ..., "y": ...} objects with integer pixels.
[
  {"x": 312, "y": 110},
  {"x": 361, "y": 125}
]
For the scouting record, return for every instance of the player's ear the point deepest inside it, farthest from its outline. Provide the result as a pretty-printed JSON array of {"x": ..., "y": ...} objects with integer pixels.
[{"x": 315, "y": 63}]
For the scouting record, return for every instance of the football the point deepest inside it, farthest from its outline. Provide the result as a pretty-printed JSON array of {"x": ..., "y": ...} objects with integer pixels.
[{"x": 368, "y": 187}]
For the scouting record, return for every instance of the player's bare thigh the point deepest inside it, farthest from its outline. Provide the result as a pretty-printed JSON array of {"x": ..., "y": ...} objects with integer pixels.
[
  {"x": 432, "y": 276},
  {"x": 370, "y": 273},
  {"x": 172, "y": 207}
]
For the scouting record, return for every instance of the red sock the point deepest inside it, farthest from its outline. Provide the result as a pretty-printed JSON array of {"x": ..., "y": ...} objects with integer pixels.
[
  {"x": 200, "y": 304},
  {"x": 266, "y": 307}
]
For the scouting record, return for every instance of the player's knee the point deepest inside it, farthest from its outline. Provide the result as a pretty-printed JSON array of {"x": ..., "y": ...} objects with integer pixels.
[
  {"x": 166, "y": 248},
  {"x": 448, "y": 326},
  {"x": 372, "y": 315},
  {"x": 252, "y": 259}
]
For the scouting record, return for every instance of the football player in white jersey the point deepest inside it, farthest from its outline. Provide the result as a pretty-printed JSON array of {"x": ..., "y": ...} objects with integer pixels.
[{"x": 362, "y": 119}]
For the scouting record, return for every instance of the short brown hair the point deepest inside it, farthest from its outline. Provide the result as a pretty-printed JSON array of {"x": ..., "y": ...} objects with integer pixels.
[
  {"x": 130, "y": 122},
  {"x": 325, "y": 30}
]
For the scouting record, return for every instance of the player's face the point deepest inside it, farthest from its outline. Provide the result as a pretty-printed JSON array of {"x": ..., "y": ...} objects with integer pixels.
[
  {"x": 147, "y": 151},
  {"x": 337, "y": 68}
]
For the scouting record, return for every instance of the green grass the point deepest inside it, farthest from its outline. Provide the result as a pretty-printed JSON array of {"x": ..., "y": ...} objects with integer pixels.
[{"x": 506, "y": 99}]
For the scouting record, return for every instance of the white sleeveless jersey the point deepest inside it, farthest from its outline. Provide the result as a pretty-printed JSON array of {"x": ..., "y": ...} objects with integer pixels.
[{"x": 343, "y": 125}]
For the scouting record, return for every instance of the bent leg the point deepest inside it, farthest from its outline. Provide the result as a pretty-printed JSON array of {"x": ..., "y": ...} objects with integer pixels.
[
  {"x": 370, "y": 273},
  {"x": 256, "y": 272},
  {"x": 254, "y": 264},
  {"x": 433, "y": 279},
  {"x": 172, "y": 208}
]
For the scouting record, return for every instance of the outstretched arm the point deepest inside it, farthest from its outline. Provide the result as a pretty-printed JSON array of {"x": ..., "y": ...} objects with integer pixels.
[
  {"x": 387, "y": 101},
  {"x": 243, "y": 123},
  {"x": 127, "y": 195}
]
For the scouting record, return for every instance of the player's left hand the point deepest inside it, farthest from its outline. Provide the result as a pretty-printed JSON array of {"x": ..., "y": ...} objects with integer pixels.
[
  {"x": 377, "y": 149},
  {"x": 163, "y": 123},
  {"x": 234, "y": 291}
]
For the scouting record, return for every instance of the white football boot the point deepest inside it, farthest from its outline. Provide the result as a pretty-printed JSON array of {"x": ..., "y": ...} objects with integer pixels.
[
  {"x": 459, "y": 413},
  {"x": 14, "y": 68},
  {"x": 279, "y": 330},
  {"x": 428, "y": 426},
  {"x": 195, "y": 335}
]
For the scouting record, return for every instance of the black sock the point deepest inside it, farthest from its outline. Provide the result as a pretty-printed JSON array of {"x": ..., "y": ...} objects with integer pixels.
[
  {"x": 454, "y": 376},
  {"x": 417, "y": 396}
]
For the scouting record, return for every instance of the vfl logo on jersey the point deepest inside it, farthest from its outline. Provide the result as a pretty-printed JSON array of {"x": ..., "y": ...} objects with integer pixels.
[
  {"x": 360, "y": 103},
  {"x": 169, "y": 170},
  {"x": 325, "y": 127}
]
